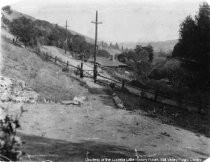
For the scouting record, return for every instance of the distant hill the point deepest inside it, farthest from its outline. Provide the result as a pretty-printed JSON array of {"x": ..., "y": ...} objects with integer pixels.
[{"x": 165, "y": 46}]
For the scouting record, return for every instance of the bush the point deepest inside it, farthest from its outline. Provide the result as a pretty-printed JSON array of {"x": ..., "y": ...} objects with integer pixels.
[
  {"x": 5, "y": 20},
  {"x": 9, "y": 142},
  {"x": 45, "y": 56},
  {"x": 103, "y": 53},
  {"x": 25, "y": 30},
  {"x": 137, "y": 83}
]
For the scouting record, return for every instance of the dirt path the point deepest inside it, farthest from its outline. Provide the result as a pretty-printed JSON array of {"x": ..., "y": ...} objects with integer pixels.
[{"x": 101, "y": 130}]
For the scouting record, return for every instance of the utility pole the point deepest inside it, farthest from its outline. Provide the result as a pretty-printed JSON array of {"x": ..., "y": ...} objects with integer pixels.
[
  {"x": 66, "y": 37},
  {"x": 95, "y": 49}
]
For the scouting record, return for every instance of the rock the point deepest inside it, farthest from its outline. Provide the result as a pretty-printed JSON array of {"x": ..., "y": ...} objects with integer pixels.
[
  {"x": 3, "y": 114},
  {"x": 67, "y": 102},
  {"x": 16, "y": 91},
  {"x": 44, "y": 100},
  {"x": 79, "y": 100},
  {"x": 165, "y": 134},
  {"x": 118, "y": 101},
  {"x": 76, "y": 101}
]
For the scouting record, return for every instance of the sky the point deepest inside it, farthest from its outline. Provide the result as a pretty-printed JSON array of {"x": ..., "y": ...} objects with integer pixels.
[{"x": 122, "y": 20}]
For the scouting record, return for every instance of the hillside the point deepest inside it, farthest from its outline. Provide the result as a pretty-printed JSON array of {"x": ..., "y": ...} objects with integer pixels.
[
  {"x": 43, "y": 77},
  {"x": 15, "y": 15}
]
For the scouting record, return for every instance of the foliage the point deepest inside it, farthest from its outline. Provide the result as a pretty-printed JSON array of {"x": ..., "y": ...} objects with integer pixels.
[
  {"x": 5, "y": 20},
  {"x": 24, "y": 29},
  {"x": 194, "y": 45},
  {"x": 150, "y": 51},
  {"x": 114, "y": 46},
  {"x": 166, "y": 54},
  {"x": 103, "y": 53},
  {"x": 126, "y": 57},
  {"x": 139, "y": 53},
  {"x": 141, "y": 66},
  {"x": 7, "y": 9},
  {"x": 140, "y": 59},
  {"x": 9, "y": 142}
]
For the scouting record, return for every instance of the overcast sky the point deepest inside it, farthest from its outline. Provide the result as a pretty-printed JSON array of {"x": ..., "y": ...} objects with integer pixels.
[{"x": 123, "y": 20}]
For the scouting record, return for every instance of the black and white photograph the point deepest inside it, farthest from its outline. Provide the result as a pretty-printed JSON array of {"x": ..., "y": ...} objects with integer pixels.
[{"x": 105, "y": 81}]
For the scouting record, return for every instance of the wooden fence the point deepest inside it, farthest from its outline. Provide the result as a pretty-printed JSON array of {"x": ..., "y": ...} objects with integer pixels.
[
  {"x": 150, "y": 94},
  {"x": 158, "y": 96}
]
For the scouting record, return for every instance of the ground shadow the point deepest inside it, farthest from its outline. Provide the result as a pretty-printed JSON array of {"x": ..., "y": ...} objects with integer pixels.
[
  {"x": 40, "y": 148},
  {"x": 108, "y": 100},
  {"x": 192, "y": 121}
]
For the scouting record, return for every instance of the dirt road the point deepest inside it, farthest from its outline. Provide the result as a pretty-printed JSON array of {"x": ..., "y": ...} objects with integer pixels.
[{"x": 98, "y": 129}]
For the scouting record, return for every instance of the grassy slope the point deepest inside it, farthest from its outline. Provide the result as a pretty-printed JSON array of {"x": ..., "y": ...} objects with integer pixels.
[{"x": 45, "y": 78}]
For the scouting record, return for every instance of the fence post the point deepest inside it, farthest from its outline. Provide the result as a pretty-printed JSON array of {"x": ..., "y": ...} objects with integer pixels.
[
  {"x": 95, "y": 74},
  {"x": 67, "y": 64},
  {"x": 46, "y": 56},
  {"x": 156, "y": 94},
  {"x": 123, "y": 84},
  {"x": 81, "y": 70},
  {"x": 142, "y": 93},
  {"x": 180, "y": 102},
  {"x": 55, "y": 59}
]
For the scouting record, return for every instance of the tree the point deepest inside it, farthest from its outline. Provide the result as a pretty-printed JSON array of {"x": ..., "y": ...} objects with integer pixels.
[
  {"x": 194, "y": 35},
  {"x": 78, "y": 44},
  {"x": 142, "y": 65},
  {"x": 203, "y": 36},
  {"x": 116, "y": 46},
  {"x": 110, "y": 45},
  {"x": 24, "y": 29},
  {"x": 194, "y": 45},
  {"x": 141, "y": 54},
  {"x": 149, "y": 49},
  {"x": 103, "y": 53}
]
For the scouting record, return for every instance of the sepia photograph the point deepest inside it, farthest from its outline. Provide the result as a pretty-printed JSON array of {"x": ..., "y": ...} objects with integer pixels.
[{"x": 105, "y": 81}]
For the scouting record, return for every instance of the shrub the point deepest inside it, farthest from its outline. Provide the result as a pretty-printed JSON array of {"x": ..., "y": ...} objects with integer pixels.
[
  {"x": 5, "y": 20},
  {"x": 103, "y": 53},
  {"x": 24, "y": 29},
  {"x": 9, "y": 142}
]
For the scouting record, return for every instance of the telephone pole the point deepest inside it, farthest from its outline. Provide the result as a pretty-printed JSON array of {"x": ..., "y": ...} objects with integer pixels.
[
  {"x": 95, "y": 49},
  {"x": 66, "y": 37}
]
